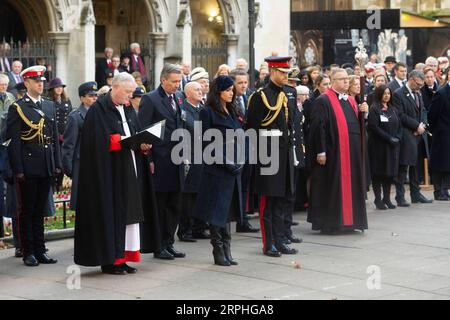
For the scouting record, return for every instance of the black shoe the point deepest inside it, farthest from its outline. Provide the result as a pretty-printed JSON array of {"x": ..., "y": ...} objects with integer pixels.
[
  {"x": 186, "y": 238},
  {"x": 287, "y": 241},
  {"x": 18, "y": 253},
  {"x": 389, "y": 204},
  {"x": 402, "y": 203},
  {"x": 440, "y": 197},
  {"x": 294, "y": 223},
  {"x": 273, "y": 252},
  {"x": 294, "y": 239},
  {"x": 246, "y": 228},
  {"x": 175, "y": 253},
  {"x": 114, "y": 270},
  {"x": 201, "y": 235},
  {"x": 420, "y": 198},
  {"x": 380, "y": 205},
  {"x": 284, "y": 249},
  {"x": 128, "y": 269},
  {"x": 163, "y": 255},
  {"x": 31, "y": 261},
  {"x": 45, "y": 259}
]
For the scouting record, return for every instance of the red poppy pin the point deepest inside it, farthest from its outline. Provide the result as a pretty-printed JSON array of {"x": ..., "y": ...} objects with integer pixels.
[{"x": 180, "y": 101}]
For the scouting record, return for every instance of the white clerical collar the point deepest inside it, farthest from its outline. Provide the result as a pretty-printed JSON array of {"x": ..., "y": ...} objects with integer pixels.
[{"x": 342, "y": 96}]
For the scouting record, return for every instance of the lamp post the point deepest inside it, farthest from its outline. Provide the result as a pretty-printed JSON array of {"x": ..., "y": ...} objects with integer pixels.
[{"x": 251, "y": 26}]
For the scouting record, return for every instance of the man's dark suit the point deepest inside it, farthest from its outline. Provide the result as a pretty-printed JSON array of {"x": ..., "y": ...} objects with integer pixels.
[
  {"x": 12, "y": 83},
  {"x": 394, "y": 85},
  {"x": 100, "y": 73},
  {"x": 168, "y": 177},
  {"x": 411, "y": 116}
]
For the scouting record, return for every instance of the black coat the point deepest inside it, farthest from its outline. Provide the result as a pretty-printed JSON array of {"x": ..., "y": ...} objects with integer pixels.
[
  {"x": 191, "y": 114},
  {"x": 439, "y": 118},
  {"x": 63, "y": 110},
  {"x": 100, "y": 73},
  {"x": 384, "y": 157},
  {"x": 282, "y": 182},
  {"x": 219, "y": 198},
  {"x": 33, "y": 159},
  {"x": 411, "y": 117},
  {"x": 109, "y": 194},
  {"x": 71, "y": 150},
  {"x": 154, "y": 107},
  {"x": 299, "y": 139},
  {"x": 428, "y": 94}
]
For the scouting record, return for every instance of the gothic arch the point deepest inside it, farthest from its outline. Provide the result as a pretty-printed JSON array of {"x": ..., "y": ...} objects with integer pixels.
[
  {"x": 231, "y": 10},
  {"x": 158, "y": 14}
]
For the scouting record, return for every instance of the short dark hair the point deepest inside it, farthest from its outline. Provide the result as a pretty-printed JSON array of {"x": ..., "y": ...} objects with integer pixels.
[
  {"x": 398, "y": 65},
  {"x": 379, "y": 92},
  {"x": 238, "y": 72}
]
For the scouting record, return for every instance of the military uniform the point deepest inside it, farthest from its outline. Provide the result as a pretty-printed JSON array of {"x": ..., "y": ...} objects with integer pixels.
[
  {"x": 34, "y": 158},
  {"x": 270, "y": 112},
  {"x": 72, "y": 138}
]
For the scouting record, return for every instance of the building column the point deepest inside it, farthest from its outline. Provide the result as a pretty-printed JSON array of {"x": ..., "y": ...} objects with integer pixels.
[
  {"x": 232, "y": 48},
  {"x": 61, "y": 40},
  {"x": 159, "y": 41},
  {"x": 82, "y": 51},
  {"x": 187, "y": 41}
]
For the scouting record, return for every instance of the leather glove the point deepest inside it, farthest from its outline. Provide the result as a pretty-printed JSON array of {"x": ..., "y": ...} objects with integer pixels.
[{"x": 394, "y": 141}]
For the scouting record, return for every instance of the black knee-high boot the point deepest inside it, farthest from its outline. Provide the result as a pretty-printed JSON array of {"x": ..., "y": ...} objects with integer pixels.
[
  {"x": 376, "y": 185},
  {"x": 226, "y": 239},
  {"x": 217, "y": 243},
  {"x": 387, "y": 194}
]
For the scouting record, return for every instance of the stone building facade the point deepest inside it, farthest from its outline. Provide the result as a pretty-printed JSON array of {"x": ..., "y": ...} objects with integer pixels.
[{"x": 167, "y": 29}]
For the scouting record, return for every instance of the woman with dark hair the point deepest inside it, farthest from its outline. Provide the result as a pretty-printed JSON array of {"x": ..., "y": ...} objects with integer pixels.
[
  {"x": 385, "y": 132},
  {"x": 57, "y": 93},
  {"x": 219, "y": 197}
]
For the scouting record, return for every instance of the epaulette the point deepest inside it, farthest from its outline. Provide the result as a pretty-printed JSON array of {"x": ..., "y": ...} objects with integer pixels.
[{"x": 251, "y": 96}]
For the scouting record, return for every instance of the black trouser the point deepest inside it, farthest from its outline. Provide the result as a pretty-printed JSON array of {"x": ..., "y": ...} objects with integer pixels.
[
  {"x": 290, "y": 206},
  {"x": 2, "y": 228},
  {"x": 169, "y": 209},
  {"x": 440, "y": 187},
  {"x": 33, "y": 195},
  {"x": 15, "y": 232},
  {"x": 272, "y": 223},
  {"x": 400, "y": 182},
  {"x": 188, "y": 224},
  {"x": 386, "y": 183}
]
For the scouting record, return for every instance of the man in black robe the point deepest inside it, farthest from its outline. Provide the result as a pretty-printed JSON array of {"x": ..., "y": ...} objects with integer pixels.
[
  {"x": 337, "y": 195},
  {"x": 110, "y": 206}
]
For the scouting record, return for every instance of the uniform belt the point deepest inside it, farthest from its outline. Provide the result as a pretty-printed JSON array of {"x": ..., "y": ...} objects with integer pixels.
[{"x": 270, "y": 133}]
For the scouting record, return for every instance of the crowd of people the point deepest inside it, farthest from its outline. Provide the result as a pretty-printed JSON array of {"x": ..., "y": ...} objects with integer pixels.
[{"x": 338, "y": 130}]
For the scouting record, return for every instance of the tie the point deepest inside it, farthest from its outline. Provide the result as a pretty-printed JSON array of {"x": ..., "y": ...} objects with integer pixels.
[
  {"x": 38, "y": 105},
  {"x": 2, "y": 97},
  {"x": 416, "y": 97},
  {"x": 172, "y": 103},
  {"x": 18, "y": 80},
  {"x": 242, "y": 105}
]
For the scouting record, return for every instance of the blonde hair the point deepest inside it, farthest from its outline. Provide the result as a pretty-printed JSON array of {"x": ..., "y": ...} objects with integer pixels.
[{"x": 223, "y": 67}]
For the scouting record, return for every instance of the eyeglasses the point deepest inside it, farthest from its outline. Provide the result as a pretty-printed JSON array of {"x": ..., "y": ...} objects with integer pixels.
[{"x": 419, "y": 84}]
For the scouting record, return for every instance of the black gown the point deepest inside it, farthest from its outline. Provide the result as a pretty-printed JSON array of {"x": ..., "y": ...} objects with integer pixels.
[
  {"x": 326, "y": 196},
  {"x": 110, "y": 197}
]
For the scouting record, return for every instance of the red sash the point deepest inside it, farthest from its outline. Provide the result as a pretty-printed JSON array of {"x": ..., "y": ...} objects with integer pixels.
[{"x": 344, "y": 156}]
